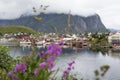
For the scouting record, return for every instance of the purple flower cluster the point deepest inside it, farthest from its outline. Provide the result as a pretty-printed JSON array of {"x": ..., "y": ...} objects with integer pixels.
[
  {"x": 36, "y": 72},
  {"x": 20, "y": 67},
  {"x": 71, "y": 63},
  {"x": 42, "y": 54},
  {"x": 42, "y": 65},
  {"x": 54, "y": 49},
  {"x": 14, "y": 78},
  {"x": 46, "y": 62},
  {"x": 49, "y": 63},
  {"x": 50, "y": 59},
  {"x": 69, "y": 68},
  {"x": 61, "y": 43},
  {"x": 10, "y": 74}
]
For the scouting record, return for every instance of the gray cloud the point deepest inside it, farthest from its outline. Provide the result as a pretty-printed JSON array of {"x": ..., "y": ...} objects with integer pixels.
[{"x": 107, "y": 9}]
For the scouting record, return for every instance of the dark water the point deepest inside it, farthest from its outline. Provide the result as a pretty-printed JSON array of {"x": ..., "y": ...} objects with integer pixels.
[{"x": 86, "y": 61}]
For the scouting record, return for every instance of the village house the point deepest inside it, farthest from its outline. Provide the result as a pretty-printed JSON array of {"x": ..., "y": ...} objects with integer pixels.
[{"x": 114, "y": 39}]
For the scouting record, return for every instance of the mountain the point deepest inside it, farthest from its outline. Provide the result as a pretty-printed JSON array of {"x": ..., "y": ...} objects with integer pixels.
[{"x": 58, "y": 23}]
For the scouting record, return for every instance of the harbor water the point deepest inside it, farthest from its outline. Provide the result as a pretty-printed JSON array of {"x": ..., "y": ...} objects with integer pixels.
[{"x": 86, "y": 61}]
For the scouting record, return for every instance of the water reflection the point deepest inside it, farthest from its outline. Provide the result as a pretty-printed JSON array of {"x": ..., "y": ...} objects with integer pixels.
[
  {"x": 112, "y": 52},
  {"x": 115, "y": 53},
  {"x": 86, "y": 61},
  {"x": 19, "y": 51}
]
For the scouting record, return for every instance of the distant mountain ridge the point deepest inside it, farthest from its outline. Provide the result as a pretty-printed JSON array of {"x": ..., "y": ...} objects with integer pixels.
[
  {"x": 58, "y": 23},
  {"x": 113, "y": 30}
]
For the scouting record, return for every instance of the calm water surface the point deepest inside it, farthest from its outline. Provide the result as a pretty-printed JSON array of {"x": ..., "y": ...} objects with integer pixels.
[{"x": 86, "y": 61}]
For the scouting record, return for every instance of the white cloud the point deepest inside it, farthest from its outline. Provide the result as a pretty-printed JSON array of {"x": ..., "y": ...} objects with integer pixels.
[{"x": 109, "y": 10}]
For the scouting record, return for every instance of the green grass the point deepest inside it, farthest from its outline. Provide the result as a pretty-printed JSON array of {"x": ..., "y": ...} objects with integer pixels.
[{"x": 16, "y": 29}]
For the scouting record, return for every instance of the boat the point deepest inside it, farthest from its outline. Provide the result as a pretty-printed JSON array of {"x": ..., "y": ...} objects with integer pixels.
[{"x": 25, "y": 43}]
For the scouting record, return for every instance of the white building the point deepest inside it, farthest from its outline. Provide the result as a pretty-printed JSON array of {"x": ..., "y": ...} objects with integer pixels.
[{"x": 114, "y": 39}]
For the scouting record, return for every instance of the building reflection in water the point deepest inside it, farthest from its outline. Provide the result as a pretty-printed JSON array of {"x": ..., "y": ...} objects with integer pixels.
[{"x": 115, "y": 53}]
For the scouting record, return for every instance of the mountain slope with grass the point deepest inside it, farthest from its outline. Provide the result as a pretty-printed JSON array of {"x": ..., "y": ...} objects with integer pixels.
[{"x": 16, "y": 29}]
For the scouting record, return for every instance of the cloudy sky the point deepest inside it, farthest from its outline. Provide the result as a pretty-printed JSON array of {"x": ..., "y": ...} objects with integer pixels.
[{"x": 109, "y": 10}]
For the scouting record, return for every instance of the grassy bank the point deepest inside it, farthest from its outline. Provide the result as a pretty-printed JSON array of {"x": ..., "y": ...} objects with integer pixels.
[{"x": 16, "y": 29}]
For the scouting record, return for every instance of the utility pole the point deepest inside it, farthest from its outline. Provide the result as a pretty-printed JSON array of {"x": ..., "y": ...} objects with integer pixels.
[
  {"x": 56, "y": 31},
  {"x": 68, "y": 23}
]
